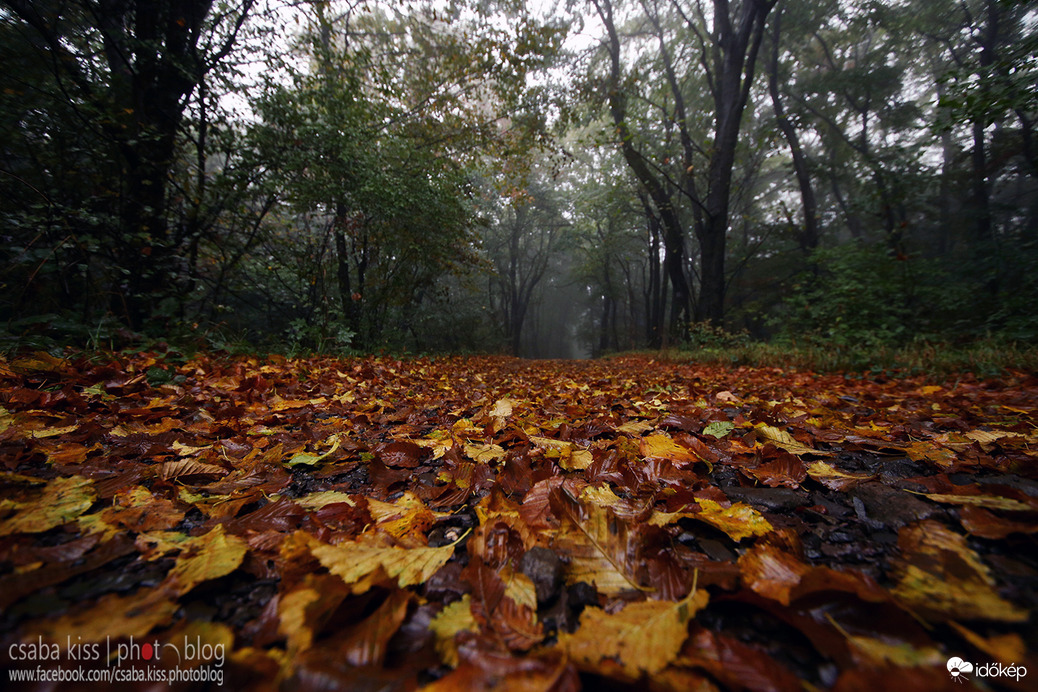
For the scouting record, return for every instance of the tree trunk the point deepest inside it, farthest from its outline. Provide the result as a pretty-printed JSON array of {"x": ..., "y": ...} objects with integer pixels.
[
  {"x": 732, "y": 66},
  {"x": 809, "y": 236}
]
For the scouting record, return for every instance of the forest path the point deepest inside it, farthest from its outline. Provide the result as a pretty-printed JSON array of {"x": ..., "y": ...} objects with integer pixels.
[{"x": 365, "y": 522}]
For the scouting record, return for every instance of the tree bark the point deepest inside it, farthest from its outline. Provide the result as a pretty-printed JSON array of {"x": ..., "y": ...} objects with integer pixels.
[
  {"x": 732, "y": 65},
  {"x": 809, "y": 236}
]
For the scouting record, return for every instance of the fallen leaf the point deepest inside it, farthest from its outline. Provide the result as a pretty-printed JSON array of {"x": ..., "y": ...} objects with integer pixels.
[
  {"x": 111, "y": 618},
  {"x": 835, "y": 479},
  {"x": 454, "y": 618},
  {"x": 355, "y": 561},
  {"x": 663, "y": 447},
  {"x": 781, "y": 438},
  {"x": 62, "y": 500},
  {"x": 940, "y": 575},
  {"x": 600, "y": 551},
  {"x": 719, "y": 428},
  {"x": 643, "y": 637},
  {"x": 209, "y": 556}
]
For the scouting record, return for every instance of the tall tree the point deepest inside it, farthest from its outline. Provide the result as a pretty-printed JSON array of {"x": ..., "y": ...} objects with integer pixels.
[
  {"x": 126, "y": 69},
  {"x": 727, "y": 37}
]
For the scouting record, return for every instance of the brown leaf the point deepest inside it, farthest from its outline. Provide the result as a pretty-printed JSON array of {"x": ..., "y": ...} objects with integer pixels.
[
  {"x": 113, "y": 617},
  {"x": 498, "y": 613},
  {"x": 367, "y": 643},
  {"x": 735, "y": 664}
]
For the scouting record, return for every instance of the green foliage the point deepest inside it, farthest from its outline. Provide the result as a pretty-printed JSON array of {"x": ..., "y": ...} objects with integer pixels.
[
  {"x": 329, "y": 335},
  {"x": 703, "y": 335},
  {"x": 860, "y": 297}
]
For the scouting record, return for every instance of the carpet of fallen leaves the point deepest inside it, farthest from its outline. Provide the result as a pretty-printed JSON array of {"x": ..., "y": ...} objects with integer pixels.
[{"x": 476, "y": 523}]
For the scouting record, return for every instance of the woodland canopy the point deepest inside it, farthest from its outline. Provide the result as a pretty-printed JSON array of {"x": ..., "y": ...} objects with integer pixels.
[{"x": 545, "y": 180}]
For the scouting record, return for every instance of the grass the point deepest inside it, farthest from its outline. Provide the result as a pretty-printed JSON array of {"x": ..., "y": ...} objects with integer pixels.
[{"x": 985, "y": 359}]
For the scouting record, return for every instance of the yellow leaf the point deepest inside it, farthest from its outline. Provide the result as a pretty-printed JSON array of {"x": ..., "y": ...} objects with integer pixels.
[
  {"x": 550, "y": 443},
  {"x": 484, "y": 453},
  {"x": 187, "y": 450},
  {"x": 137, "y": 509},
  {"x": 879, "y": 652},
  {"x": 323, "y": 498},
  {"x": 781, "y": 438},
  {"x": 601, "y": 495},
  {"x": 927, "y": 451},
  {"x": 502, "y": 408},
  {"x": 519, "y": 588},
  {"x": 834, "y": 478},
  {"x": 292, "y": 611},
  {"x": 407, "y": 517},
  {"x": 456, "y": 617},
  {"x": 579, "y": 459},
  {"x": 438, "y": 441},
  {"x": 986, "y": 501},
  {"x": 739, "y": 520},
  {"x": 209, "y": 556},
  {"x": 644, "y": 637},
  {"x": 939, "y": 574},
  {"x": 662, "y": 447},
  {"x": 39, "y": 361},
  {"x": 1008, "y": 649},
  {"x": 635, "y": 427},
  {"x": 52, "y": 432},
  {"x": 599, "y": 552},
  {"x": 63, "y": 500},
  {"x": 352, "y": 562}
]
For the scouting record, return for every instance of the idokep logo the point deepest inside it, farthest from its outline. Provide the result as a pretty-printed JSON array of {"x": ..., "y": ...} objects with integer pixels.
[{"x": 960, "y": 670}]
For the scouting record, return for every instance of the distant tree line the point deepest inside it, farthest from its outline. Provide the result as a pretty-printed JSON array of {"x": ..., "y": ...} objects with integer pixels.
[{"x": 624, "y": 174}]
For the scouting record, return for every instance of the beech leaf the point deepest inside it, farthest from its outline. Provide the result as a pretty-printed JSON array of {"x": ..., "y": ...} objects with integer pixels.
[
  {"x": 209, "y": 556},
  {"x": 643, "y": 637},
  {"x": 62, "y": 500},
  {"x": 354, "y": 561},
  {"x": 600, "y": 552}
]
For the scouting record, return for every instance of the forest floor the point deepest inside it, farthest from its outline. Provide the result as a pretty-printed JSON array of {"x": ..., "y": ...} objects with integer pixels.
[{"x": 483, "y": 522}]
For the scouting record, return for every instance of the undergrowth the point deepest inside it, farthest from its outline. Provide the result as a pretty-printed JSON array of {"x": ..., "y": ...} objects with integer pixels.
[{"x": 985, "y": 358}]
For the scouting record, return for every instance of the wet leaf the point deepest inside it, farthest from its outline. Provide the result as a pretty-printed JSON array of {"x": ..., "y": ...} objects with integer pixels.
[
  {"x": 209, "y": 556},
  {"x": 356, "y": 562},
  {"x": 786, "y": 441},
  {"x": 719, "y": 428},
  {"x": 643, "y": 637},
  {"x": 939, "y": 574},
  {"x": 494, "y": 523},
  {"x": 113, "y": 617},
  {"x": 454, "y": 618},
  {"x": 62, "y": 500},
  {"x": 663, "y": 447},
  {"x": 601, "y": 551}
]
